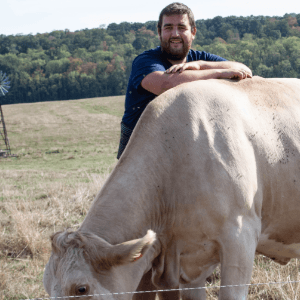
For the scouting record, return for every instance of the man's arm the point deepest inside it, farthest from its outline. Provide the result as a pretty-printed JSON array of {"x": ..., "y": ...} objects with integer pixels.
[
  {"x": 209, "y": 65},
  {"x": 159, "y": 82}
]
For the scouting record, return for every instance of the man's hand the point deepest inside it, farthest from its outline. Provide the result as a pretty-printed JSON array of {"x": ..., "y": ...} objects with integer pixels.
[
  {"x": 233, "y": 74},
  {"x": 194, "y": 65}
]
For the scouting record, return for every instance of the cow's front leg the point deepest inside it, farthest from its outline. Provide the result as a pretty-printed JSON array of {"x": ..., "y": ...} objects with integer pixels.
[
  {"x": 238, "y": 247},
  {"x": 145, "y": 285},
  {"x": 173, "y": 295}
]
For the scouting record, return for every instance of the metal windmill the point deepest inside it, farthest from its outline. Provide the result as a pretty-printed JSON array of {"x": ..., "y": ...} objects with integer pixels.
[{"x": 4, "y": 86}]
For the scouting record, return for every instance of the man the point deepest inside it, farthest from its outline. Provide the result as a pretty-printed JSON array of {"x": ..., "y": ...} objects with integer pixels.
[{"x": 173, "y": 63}]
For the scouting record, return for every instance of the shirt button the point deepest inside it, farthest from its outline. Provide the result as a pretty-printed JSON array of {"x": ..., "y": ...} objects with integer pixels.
[
  {"x": 130, "y": 92},
  {"x": 133, "y": 108}
]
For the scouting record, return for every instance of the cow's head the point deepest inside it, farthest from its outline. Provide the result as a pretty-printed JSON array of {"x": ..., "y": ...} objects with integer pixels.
[{"x": 84, "y": 264}]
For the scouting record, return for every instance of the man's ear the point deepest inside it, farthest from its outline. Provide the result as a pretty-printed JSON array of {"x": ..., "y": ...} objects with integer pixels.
[
  {"x": 158, "y": 31},
  {"x": 194, "y": 30}
]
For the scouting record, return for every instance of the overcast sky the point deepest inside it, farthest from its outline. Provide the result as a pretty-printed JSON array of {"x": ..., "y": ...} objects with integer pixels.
[{"x": 32, "y": 16}]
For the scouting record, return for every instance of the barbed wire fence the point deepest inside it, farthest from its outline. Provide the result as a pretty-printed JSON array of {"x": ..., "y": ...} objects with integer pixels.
[{"x": 166, "y": 290}]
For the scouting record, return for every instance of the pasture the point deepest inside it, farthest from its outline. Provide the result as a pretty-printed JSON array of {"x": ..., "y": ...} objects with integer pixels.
[{"x": 65, "y": 151}]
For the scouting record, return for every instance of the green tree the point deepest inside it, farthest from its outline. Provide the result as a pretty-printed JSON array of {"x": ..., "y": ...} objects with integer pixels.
[
  {"x": 73, "y": 85},
  {"x": 100, "y": 56},
  {"x": 63, "y": 52},
  {"x": 82, "y": 53},
  {"x": 57, "y": 66},
  {"x": 284, "y": 69}
]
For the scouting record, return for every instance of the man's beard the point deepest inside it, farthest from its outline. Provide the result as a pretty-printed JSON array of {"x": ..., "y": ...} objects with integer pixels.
[{"x": 174, "y": 54}]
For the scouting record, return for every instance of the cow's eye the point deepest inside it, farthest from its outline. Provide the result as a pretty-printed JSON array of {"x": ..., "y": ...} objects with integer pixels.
[{"x": 82, "y": 289}]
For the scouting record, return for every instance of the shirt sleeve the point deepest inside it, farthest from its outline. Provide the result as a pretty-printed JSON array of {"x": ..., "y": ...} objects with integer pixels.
[
  {"x": 143, "y": 65},
  {"x": 212, "y": 57},
  {"x": 202, "y": 55}
]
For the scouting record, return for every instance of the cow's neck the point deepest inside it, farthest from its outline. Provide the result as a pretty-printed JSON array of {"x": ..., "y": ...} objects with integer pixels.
[{"x": 130, "y": 202}]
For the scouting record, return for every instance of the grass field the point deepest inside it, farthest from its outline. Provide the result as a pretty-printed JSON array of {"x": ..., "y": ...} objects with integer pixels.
[{"x": 65, "y": 151}]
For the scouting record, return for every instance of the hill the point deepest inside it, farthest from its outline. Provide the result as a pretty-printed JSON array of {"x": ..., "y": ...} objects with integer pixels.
[{"x": 97, "y": 62}]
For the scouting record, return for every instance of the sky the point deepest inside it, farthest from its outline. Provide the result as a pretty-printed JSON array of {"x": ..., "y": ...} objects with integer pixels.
[{"x": 40, "y": 16}]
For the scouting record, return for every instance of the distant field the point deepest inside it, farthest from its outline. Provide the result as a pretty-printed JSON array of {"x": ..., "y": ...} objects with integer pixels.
[
  {"x": 64, "y": 135},
  {"x": 66, "y": 149}
]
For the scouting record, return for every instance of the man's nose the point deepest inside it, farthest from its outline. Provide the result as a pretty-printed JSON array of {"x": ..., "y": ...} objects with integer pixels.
[{"x": 175, "y": 31}]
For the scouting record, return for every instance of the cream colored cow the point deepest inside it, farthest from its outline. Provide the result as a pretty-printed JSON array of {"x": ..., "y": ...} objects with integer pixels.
[{"x": 213, "y": 169}]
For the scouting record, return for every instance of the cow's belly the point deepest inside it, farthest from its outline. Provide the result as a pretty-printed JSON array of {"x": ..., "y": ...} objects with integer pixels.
[{"x": 277, "y": 251}]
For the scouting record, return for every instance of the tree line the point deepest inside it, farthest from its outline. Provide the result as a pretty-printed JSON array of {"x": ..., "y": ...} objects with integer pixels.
[{"x": 87, "y": 63}]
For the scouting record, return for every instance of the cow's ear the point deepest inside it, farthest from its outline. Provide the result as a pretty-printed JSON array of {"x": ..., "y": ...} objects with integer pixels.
[{"x": 132, "y": 250}]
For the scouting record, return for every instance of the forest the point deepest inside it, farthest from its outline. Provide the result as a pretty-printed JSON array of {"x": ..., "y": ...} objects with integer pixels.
[{"x": 63, "y": 65}]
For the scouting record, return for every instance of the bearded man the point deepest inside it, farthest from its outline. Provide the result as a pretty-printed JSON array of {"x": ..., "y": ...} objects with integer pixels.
[{"x": 172, "y": 63}]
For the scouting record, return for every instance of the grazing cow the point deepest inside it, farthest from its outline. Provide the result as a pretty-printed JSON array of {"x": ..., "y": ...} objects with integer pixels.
[{"x": 213, "y": 169}]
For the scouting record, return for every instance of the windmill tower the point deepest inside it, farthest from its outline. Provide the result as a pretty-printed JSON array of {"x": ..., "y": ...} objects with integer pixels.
[{"x": 4, "y": 142}]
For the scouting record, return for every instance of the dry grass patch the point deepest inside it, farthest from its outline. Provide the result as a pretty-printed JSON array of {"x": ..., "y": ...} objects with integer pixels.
[
  {"x": 265, "y": 271},
  {"x": 21, "y": 278},
  {"x": 27, "y": 222}
]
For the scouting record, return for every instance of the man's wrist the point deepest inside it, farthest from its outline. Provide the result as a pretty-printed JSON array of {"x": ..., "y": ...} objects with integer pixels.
[{"x": 204, "y": 65}]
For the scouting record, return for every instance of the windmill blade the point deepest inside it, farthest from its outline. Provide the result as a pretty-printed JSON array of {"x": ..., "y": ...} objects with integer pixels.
[{"x": 4, "y": 84}]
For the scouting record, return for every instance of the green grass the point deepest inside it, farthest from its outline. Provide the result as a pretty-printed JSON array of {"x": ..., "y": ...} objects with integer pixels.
[{"x": 75, "y": 135}]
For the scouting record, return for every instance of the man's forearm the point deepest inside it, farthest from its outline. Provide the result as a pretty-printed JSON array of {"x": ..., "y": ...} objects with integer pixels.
[
  {"x": 171, "y": 80},
  {"x": 208, "y": 65},
  {"x": 159, "y": 82}
]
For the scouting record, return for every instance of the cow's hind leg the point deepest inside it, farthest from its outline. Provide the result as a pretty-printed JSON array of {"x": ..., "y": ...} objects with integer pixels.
[
  {"x": 238, "y": 247},
  {"x": 194, "y": 293}
]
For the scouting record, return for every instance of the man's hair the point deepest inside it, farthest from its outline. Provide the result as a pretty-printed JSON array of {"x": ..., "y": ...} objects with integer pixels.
[{"x": 176, "y": 8}]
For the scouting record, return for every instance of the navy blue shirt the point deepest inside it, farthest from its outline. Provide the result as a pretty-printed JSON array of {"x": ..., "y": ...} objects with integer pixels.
[{"x": 137, "y": 98}]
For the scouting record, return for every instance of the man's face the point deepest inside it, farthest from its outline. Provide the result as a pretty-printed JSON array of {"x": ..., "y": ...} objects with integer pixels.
[{"x": 176, "y": 36}]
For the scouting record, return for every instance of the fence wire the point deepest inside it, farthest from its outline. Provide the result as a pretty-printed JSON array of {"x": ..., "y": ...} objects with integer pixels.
[{"x": 167, "y": 290}]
